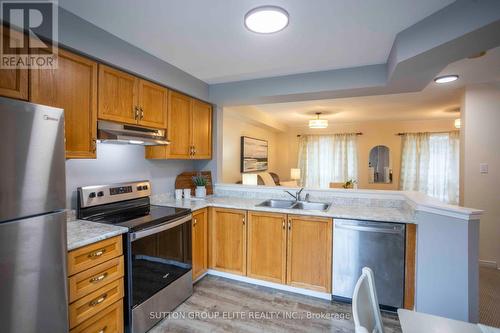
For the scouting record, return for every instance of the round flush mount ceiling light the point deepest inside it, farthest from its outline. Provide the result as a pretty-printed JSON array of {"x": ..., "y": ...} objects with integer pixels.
[
  {"x": 446, "y": 78},
  {"x": 266, "y": 19},
  {"x": 318, "y": 123}
]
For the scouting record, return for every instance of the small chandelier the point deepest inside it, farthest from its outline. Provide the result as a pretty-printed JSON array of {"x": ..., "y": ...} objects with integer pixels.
[
  {"x": 318, "y": 123},
  {"x": 457, "y": 123}
]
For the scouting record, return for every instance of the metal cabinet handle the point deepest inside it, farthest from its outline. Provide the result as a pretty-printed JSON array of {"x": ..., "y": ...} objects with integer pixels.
[
  {"x": 243, "y": 219},
  {"x": 289, "y": 225},
  {"x": 136, "y": 112},
  {"x": 98, "y": 300},
  {"x": 94, "y": 144},
  {"x": 283, "y": 224},
  {"x": 96, "y": 254},
  {"x": 195, "y": 221},
  {"x": 103, "y": 329},
  {"x": 142, "y": 112},
  {"x": 98, "y": 278}
]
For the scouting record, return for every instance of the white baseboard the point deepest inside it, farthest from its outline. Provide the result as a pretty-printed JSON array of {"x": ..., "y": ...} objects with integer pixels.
[
  {"x": 488, "y": 263},
  {"x": 273, "y": 285}
]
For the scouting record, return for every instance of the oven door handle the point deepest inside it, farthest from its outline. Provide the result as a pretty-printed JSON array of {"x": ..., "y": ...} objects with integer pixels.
[{"x": 162, "y": 227}]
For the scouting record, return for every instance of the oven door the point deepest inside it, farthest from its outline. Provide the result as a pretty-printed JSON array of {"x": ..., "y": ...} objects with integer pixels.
[{"x": 160, "y": 262}]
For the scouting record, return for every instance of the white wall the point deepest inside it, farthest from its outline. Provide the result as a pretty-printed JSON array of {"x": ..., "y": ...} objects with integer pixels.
[
  {"x": 121, "y": 163},
  {"x": 233, "y": 129},
  {"x": 481, "y": 144}
]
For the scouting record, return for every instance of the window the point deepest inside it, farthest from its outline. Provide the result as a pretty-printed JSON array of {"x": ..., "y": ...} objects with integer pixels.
[
  {"x": 430, "y": 164},
  {"x": 328, "y": 158}
]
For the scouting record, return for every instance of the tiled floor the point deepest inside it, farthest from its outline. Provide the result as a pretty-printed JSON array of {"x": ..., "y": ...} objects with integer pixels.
[
  {"x": 221, "y": 305},
  {"x": 489, "y": 296}
]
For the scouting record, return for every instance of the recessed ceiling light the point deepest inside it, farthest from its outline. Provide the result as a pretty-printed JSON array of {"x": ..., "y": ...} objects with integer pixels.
[
  {"x": 446, "y": 78},
  {"x": 266, "y": 19}
]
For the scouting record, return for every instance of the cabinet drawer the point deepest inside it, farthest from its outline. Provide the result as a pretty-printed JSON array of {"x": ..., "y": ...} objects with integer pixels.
[
  {"x": 85, "y": 282},
  {"x": 110, "y": 320},
  {"x": 94, "y": 303},
  {"x": 94, "y": 254}
]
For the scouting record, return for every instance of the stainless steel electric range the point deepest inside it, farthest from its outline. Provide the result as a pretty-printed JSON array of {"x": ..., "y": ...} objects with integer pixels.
[{"x": 157, "y": 248}]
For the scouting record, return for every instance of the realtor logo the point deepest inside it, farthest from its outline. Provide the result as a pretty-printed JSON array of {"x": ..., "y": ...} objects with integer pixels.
[{"x": 29, "y": 34}]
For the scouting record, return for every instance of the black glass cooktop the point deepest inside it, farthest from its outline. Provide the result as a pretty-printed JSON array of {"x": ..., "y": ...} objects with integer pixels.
[{"x": 139, "y": 218}]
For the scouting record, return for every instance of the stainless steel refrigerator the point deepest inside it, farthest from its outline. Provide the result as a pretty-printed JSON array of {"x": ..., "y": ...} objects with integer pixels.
[{"x": 33, "y": 247}]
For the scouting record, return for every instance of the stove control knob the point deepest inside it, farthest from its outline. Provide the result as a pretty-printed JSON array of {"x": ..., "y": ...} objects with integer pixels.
[
  {"x": 139, "y": 188},
  {"x": 92, "y": 195},
  {"x": 100, "y": 193},
  {"x": 145, "y": 187}
]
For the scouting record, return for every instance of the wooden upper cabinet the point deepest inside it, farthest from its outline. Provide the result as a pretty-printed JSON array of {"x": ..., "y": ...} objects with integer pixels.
[
  {"x": 179, "y": 128},
  {"x": 309, "y": 256},
  {"x": 201, "y": 130},
  {"x": 227, "y": 251},
  {"x": 118, "y": 95},
  {"x": 13, "y": 82},
  {"x": 189, "y": 130},
  {"x": 266, "y": 255},
  {"x": 72, "y": 87},
  {"x": 153, "y": 100},
  {"x": 127, "y": 99},
  {"x": 200, "y": 242}
]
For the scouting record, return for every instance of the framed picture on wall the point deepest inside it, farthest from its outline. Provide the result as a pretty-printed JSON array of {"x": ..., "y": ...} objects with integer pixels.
[{"x": 254, "y": 154}]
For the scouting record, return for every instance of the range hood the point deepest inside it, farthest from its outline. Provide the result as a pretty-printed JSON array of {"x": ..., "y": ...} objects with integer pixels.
[{"x": 109, "y": 132}]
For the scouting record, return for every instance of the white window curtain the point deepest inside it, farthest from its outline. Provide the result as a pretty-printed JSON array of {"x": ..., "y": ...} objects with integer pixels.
[
  {"x": 328, "y": 158},
  {"x": 430, "y": 164}
]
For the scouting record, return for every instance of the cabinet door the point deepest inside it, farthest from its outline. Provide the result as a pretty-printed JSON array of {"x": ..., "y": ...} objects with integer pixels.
[
  {"x": 201, "y": 130},
  {"x": 13, "y": 82},
  {"x": 153, "y": 100},
  {"x": 266, "y": 257},
  {"x": 228, "y": 240},
  {"x": 200, "y": 242},
  {"x": 72, "y": 87},
  {"x": 309, "y": 257},
  {"x": 179, "y": 126},
  {"x": 118, "y": 98}
]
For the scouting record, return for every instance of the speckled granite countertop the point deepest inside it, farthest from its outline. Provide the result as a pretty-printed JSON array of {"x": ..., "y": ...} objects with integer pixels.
[
  {"x": 81, "y": 232},
  {"x": 385, "y": 214}
]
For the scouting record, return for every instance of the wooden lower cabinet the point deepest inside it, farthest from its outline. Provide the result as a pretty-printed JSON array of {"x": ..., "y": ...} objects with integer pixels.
[
  {"x": 91, "y": 255},
  {"x": 200, "y": 242},
  {"x": 96, "y": 287},
  {"x": 266, "y": 255},
  {"x": 309, "y": 255},
  {"x": 286, "y": 249},
  {"x": 227, "y": 243},
  {"x": 95, "y": 302},
  {"x": 110, "y": 320},
  {"x": 410, "y": 268}
]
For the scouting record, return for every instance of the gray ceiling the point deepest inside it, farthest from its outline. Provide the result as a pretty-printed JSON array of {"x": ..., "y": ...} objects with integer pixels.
[{"x": 207, "y": 39}]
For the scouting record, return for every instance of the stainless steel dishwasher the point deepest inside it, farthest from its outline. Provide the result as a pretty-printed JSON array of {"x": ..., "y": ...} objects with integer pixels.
[{"x": 378, "y": 245}]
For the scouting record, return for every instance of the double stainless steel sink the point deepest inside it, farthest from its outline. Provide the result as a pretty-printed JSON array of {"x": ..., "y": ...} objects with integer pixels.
[{"x": 293, "y": 204}]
